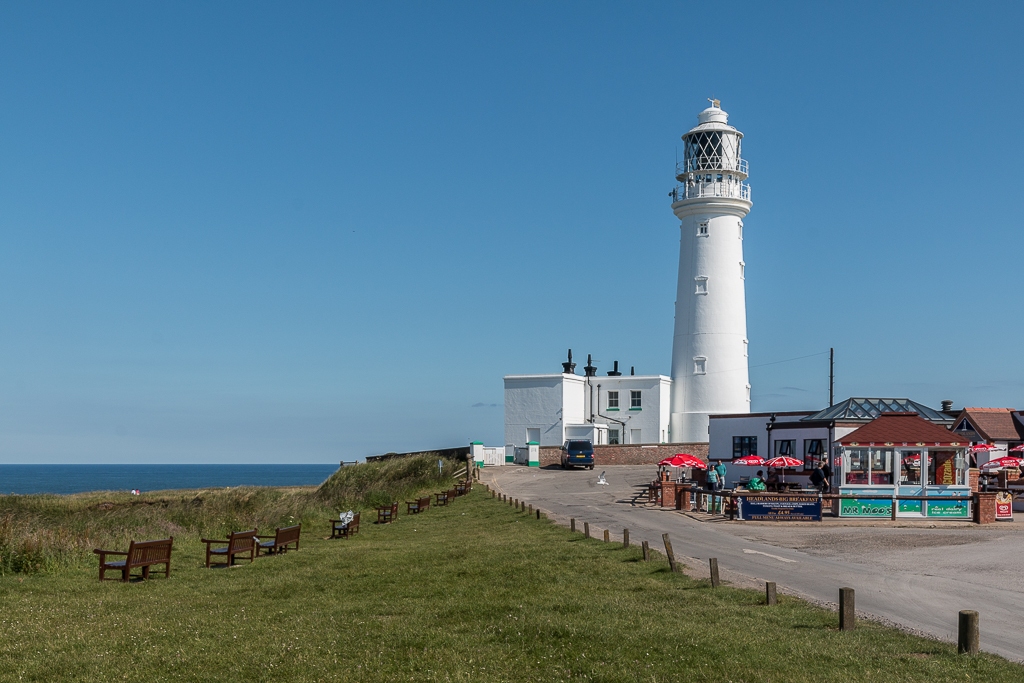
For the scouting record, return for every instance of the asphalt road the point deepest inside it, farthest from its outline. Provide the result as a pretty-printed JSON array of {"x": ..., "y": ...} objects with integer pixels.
[{"x": 916, "y": 575}]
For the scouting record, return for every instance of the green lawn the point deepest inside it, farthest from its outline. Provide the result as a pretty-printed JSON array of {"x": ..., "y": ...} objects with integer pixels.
[{"x": 472, "y": 592}]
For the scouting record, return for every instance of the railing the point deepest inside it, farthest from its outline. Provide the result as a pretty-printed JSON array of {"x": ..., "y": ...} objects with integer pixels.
[
  {"x": 735, "y": 190},
  {"x": 713, "y": 163}
]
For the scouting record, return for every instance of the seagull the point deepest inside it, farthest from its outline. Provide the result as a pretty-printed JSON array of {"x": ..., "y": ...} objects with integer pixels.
[{"x": 600, "y": 480}]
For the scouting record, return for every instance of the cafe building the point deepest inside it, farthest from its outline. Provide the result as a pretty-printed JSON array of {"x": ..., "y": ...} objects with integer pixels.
[{"x": 902, "y": 454}]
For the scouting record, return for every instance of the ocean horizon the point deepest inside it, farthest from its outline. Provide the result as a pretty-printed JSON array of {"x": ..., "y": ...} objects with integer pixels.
[{"x": 66, "y": 479}]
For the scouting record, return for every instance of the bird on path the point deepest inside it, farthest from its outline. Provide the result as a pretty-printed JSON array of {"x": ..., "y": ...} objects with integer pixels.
[{"x": 600, "y": 480}]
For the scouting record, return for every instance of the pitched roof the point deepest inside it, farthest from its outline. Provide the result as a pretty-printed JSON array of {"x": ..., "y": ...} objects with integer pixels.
[
  {"x": 902, "y": 429},
  {"x": 993, "y": 424},
  {"x": 867, "y": 409}
]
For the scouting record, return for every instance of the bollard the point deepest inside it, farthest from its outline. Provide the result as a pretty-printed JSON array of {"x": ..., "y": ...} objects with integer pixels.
[
  {"x": 671, "y": 555},
  {"x": 647, "y": 552},
  {"x": 625, "y": 538},
  {"x": 493, "y": 493},
  {"x": 847, "y": 611},
  {"x": 572, "y": 524},
  {"x": 769, "y": 593},
  {"x": 538, "y": 513},
  {"x": 967, "y": 637},
  {"x": 586, "y": 529},
  {"x": 606, "y": 536},
  {"x": 531, "y": 508},
  {"x": 713, "y": 565}
]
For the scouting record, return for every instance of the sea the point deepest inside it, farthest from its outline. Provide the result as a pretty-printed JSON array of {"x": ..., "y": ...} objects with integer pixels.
[{"x": 63, "y": 479}]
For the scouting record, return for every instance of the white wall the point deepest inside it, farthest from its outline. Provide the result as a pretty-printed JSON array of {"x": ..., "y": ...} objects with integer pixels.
[
  {"x": 533, "y": 401},
  {"x": 652, "y": 417},
  {"x": 724, "y": 428}
]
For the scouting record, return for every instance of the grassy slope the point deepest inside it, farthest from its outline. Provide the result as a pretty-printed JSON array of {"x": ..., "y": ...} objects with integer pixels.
[{"x": 475, "y": 592}]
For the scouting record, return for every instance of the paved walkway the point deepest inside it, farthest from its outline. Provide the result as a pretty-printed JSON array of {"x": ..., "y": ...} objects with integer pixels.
[{"x": 916, "y": 574}]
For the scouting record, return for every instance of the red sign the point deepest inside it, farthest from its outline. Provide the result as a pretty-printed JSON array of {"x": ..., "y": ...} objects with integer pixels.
[{"x": 1004, "y": 505}]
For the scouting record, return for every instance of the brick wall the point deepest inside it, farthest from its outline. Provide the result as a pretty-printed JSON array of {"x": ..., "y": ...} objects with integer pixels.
[{"x": 629, "y": 454}]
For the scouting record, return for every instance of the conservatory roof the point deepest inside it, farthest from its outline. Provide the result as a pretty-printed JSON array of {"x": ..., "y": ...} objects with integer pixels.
[{"x": 867, "y": 409}]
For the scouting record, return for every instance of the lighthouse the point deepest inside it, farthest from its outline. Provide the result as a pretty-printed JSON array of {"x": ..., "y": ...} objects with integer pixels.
[{"x": 709, "y": 349}]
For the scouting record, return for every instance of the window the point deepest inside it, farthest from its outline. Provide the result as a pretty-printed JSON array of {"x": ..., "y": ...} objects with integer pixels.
[
  {"x": 702, "y": 229},
  {"x": 743, "y": 268},
  {"x": 613, "y": 400},
  {"x": 613, "y": 436},
  {"x": 707, "y": 178},
  {"x": 740, "y": 226},
  {"x": 719, "y": 177},
  {"x": 785, "y": 447},
  {"x": 742, "y": 446},
  {"x": 868, "y": 466},
  {"x": 634, "y": 400},
  {"x": 814, "y": 449},
  {"x": 702, "y": 284},
  {"x": 700, "y": 365},
  {"x": 748, "y": 393}
]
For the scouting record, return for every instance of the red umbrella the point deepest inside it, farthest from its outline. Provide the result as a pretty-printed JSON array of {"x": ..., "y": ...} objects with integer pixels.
[
  {"x": 912, "y": 460},
  {"x": 753, "y": 460},
  {"x": 1017, "y": 448},
  {"x": 667, "y": 461},
  {"x": 687, "y": 460},
  {"x": 1000, "y": 463},
  {"x": 784, "y": 461},
  {"x": 982, "y": 447}
]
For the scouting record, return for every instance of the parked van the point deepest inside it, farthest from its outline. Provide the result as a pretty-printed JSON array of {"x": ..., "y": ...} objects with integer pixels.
[{"x": 577, "y": 452}]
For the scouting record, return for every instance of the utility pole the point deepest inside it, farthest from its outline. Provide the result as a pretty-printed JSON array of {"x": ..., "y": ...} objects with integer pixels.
[{"x": 831, "y": 376}]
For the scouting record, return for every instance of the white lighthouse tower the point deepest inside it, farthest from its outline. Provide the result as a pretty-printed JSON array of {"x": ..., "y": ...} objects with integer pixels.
[{"x": 709, "y": 350}]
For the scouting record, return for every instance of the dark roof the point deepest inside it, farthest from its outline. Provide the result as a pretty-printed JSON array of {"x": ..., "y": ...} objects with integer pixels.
[
  {"x": 993, "y": 424},
  {"x": 901, "y": 429},
  {"x": 867, "y": 409}
]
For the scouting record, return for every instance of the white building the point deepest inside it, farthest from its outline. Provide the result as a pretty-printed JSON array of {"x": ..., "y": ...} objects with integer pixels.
[
  {"x": 709, "y": 349},
  {"x": 614, "y": 409}
]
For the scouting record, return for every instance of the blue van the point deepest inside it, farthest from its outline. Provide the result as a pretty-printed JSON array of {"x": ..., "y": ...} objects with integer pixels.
[{"x": 577, "y": 452}]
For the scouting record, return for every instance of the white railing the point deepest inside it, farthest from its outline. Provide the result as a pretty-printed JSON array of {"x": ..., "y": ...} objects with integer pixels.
[
  {"x": 734, "y": 190},
  {"x": 702, "y": 164}
]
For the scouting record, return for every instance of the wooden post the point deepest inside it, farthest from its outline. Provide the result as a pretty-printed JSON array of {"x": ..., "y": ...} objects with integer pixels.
[
  {"x": 572, "y": 524},
  {"x": 769, "y": 593},
  {"x": 647, "y": 552},
  {"x": 607, "y": 536},
  {"x": 895, "y": 505},
  {"x": 531, "y": 508},
  {"x": 671, "y": 555},
  {"x": 538, "y": 513},
  {"x": 586, "y": 529},
  {"x": 713, "y": 565},
  {"x": 493, "y": 494},
  {"x": 967, "y": 637},
  {"x": 847, "y": 610},
  {"x": 625, "y": 538}
]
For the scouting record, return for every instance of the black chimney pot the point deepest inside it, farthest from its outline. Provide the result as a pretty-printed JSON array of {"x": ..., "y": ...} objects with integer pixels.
[
  {"x": 570, "y": 367},
  {"x": 615, "y": 372},
  {"x": 589, "y": 367}
]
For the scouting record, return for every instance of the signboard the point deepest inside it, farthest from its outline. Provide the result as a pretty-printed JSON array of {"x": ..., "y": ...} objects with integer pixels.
[
  {"x": 1004, "y": 505},
  {"x": 945, "y": 470},
  {"x": 780, "y": 508},
  {"x": 866, "y": 507}
]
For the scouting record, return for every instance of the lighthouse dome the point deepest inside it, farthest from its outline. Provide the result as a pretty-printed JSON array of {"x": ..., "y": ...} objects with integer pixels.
[{"x": 713, "y": 115}]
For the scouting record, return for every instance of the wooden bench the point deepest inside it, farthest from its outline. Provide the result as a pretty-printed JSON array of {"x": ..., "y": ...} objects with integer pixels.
[
  {"x": 279, "y": 542},
  {"x": 418, "y": 505},
  {"x": 238, "y": 543},
  {"x": 442, "y": 498},
  {"x": 341, "y": 530},
  {"x": 460, "y": 489},
  {"x": 387, "y": 513},
  {"x": 143, "y": 554}
]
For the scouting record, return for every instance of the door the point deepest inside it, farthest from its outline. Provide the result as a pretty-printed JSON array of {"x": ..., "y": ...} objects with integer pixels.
[
  {"x": 912, "y": 462},
  {"x": 634, "y": 436}
]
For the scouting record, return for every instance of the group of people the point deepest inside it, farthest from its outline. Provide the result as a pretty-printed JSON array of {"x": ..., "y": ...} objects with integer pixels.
[{"x": 820, "y": 477}]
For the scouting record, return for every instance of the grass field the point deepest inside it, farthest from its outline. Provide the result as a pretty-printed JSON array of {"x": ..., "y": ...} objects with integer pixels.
[{"x": 472, "y": 592}]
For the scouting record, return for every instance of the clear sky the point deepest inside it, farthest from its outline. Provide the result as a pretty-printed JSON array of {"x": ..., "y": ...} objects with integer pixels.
[{"x": 308, "y": 232}]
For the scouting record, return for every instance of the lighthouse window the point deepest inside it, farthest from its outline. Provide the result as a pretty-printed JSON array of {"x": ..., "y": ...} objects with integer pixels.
[
  {"x": 702, "y": 285},
  {"x": 740, "y": 226},
  {"x": 702, "y": 229},
  {"x": 743, "y": 268},
  {"x": 700, "y": 365},
  {"x": 719, "y": 177}
]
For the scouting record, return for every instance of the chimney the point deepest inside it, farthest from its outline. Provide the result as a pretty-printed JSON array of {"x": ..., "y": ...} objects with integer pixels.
[
  {"x": 631, "y": 373},
  {"x": 589, "y": 368},
  {"x": 947, "y": 405},
  {"x": 615, "y": 372},
  {"x": 570, "y": 367}
]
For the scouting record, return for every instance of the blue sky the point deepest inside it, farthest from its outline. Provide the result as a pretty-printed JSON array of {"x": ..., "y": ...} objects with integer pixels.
[{"x": 264, "y": 232}]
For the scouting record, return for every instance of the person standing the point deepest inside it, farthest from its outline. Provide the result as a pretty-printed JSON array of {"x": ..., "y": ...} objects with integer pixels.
[
  {"x": 818, "y": 479},
  {"x": 720, "y": 469},
  {"x": 712, "y": 479}
]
